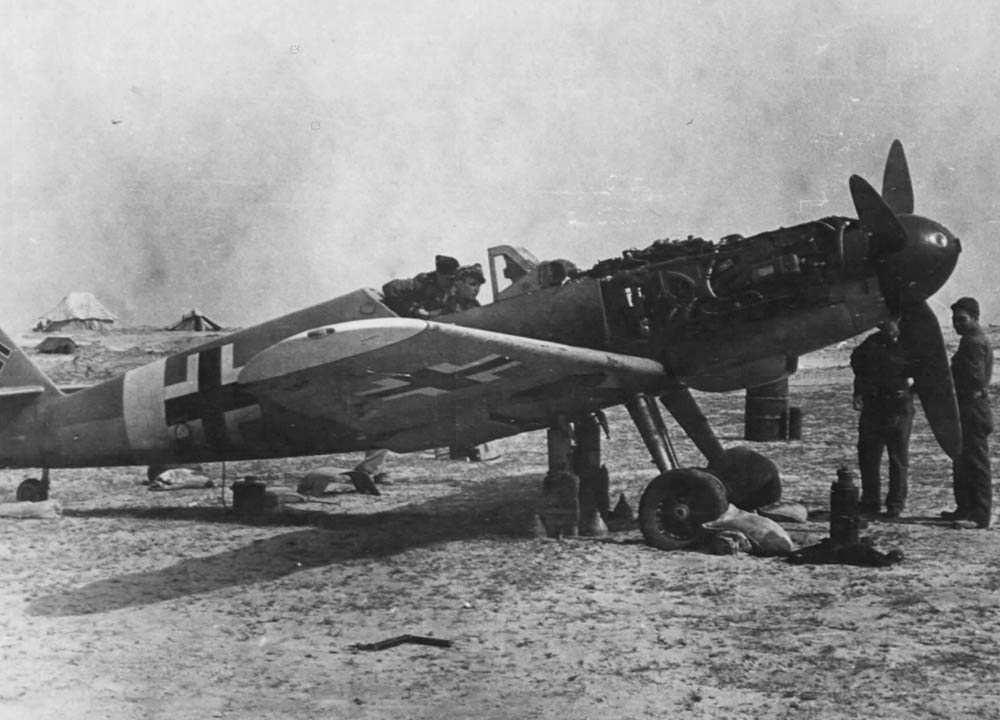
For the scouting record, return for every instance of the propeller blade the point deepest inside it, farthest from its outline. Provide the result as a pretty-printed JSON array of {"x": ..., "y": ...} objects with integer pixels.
[
  {"x": 921, "y": 337},
  {"x": 897, "y": 190},
  {"x": 886, "y": 234}
]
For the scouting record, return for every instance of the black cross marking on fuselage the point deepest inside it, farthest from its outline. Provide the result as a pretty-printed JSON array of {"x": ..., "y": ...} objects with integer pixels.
[
  {"x": 5, "y": 353},
  {"x": 210, "y": 402},
  {"x": 428, "y": 378}
]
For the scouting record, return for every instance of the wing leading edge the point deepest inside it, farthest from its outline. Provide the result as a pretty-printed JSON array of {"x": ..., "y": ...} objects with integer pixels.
[{"x": 410, "y": 384}]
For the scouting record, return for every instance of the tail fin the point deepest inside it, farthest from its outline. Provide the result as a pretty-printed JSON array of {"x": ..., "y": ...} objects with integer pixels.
[{"x": 19, "y": 376}]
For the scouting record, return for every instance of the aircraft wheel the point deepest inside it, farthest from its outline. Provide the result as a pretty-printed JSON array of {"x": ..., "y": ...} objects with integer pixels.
[
  {"x": 675, "y": 504},
  {"x": 751, "y": 480},
  {"x": 32, "y": 490}
]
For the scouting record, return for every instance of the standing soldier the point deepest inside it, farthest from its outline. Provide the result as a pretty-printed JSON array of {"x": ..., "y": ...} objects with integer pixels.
[
  {"x": 971, "y": 369},
  {"x": 883, "y": 378},
  {"x": 426, "y": 295}
]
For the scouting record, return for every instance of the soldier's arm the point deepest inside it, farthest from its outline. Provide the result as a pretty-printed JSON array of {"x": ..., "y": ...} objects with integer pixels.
[
  {"x": 399, "y": 296},
  {"x": 858, "y": 356},
  {"x": 861, "y": 380}
]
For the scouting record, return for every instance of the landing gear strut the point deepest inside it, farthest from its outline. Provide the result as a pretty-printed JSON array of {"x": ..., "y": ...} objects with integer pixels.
[
  {"x": 647, "y": 418},
  {"x": 675, "y": 504}
]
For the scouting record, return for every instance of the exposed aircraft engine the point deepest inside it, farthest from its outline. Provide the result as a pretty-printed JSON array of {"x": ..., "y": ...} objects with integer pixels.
[
  {"x": 674, "y": 281},
  {"x": 680, "y": 297}
]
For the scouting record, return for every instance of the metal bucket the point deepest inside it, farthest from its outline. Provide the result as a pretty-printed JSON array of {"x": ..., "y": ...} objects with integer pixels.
[{"x": 248, "y": 496}]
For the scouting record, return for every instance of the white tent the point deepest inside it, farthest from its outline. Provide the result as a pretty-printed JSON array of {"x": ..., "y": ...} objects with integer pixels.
[{"x": 77, "y": 311}]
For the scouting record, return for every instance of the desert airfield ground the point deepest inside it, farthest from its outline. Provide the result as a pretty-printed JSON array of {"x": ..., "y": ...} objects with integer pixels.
[{"x": 137, "y": 604}]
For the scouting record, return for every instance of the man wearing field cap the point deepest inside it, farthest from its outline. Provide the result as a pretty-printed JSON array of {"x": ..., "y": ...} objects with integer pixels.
[
  {"x": 971, "y": 369},
  {"x": 426, "y": 295},
  {"x": 468, "y": 280}
]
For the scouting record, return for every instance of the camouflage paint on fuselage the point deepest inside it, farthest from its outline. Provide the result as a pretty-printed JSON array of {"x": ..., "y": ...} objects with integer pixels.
[{"x": 186, "y": 407}]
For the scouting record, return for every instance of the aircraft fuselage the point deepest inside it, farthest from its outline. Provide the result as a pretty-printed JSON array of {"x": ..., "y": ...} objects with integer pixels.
[{"x": 718, "y": 317}]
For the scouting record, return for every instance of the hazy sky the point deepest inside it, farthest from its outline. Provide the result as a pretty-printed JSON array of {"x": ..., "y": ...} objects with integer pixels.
[{"x": 251, "y": 158}]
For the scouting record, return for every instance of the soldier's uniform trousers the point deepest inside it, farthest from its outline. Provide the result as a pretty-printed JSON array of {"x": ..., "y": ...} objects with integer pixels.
[
  {"x": 885, "y": 424},
  {"x": 972, "y": 482}
]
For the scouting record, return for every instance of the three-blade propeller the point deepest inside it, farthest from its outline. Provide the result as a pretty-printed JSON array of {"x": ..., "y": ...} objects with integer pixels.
[{"x": 903, "y": 266}]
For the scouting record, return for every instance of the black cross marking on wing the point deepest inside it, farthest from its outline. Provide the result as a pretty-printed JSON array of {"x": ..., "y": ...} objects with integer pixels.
[{"x": 428, "y": 378}]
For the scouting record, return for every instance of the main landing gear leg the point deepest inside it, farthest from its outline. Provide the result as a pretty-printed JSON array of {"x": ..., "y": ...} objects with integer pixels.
[
  {"x": 649, "y": 421},
  {"x": 676, "y": 503},
  {"x": 684, "y": 409},
  {"x": 749, "y": 478}
]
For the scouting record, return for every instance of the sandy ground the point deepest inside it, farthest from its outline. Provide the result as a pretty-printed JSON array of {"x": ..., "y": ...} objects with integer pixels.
[{"x": 137, "y": 604}]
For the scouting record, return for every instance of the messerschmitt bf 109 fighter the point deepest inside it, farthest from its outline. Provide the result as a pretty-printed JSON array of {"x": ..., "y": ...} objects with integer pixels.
[{"x": 555, "y": 347}]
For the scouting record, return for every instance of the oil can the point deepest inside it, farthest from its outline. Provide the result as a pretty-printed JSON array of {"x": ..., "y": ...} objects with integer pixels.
[{"x": 844, "y": 509}]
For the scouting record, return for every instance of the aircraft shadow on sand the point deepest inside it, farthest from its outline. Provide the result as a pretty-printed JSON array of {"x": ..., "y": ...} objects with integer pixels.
[{"x": 496, "y": 509}]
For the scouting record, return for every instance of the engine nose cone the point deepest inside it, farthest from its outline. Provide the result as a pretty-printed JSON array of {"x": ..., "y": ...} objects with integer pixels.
[{"x": 924, "y": 264}]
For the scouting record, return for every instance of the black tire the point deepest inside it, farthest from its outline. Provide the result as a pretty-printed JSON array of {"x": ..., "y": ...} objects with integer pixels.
[
  {"x": 32, "y": 490},
  {"x": 751, "y": 480},
  {"x": 675, "y": 504}
]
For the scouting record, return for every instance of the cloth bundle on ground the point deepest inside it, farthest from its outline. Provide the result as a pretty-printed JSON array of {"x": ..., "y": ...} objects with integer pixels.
[
  {"x": 785, "y": 511},
  {"x": 42, "y": 510},
  {"x": 277, "y": 498},
  {"x": 364, "y": 476},
  {"x": 763, "y": 535},
  {"x": 316, "y": 481},
  {"x": 728, "y": 542},
  {"x": 180, "y": 479}
]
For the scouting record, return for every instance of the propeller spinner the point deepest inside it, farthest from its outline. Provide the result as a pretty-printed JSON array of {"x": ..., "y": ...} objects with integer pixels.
[{"x": 913, "y": 257}]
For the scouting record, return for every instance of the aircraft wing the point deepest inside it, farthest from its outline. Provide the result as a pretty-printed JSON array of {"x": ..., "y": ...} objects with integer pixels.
[
  {"x": 410, "y": 384},
  {"x": 21, "y": 391}
]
